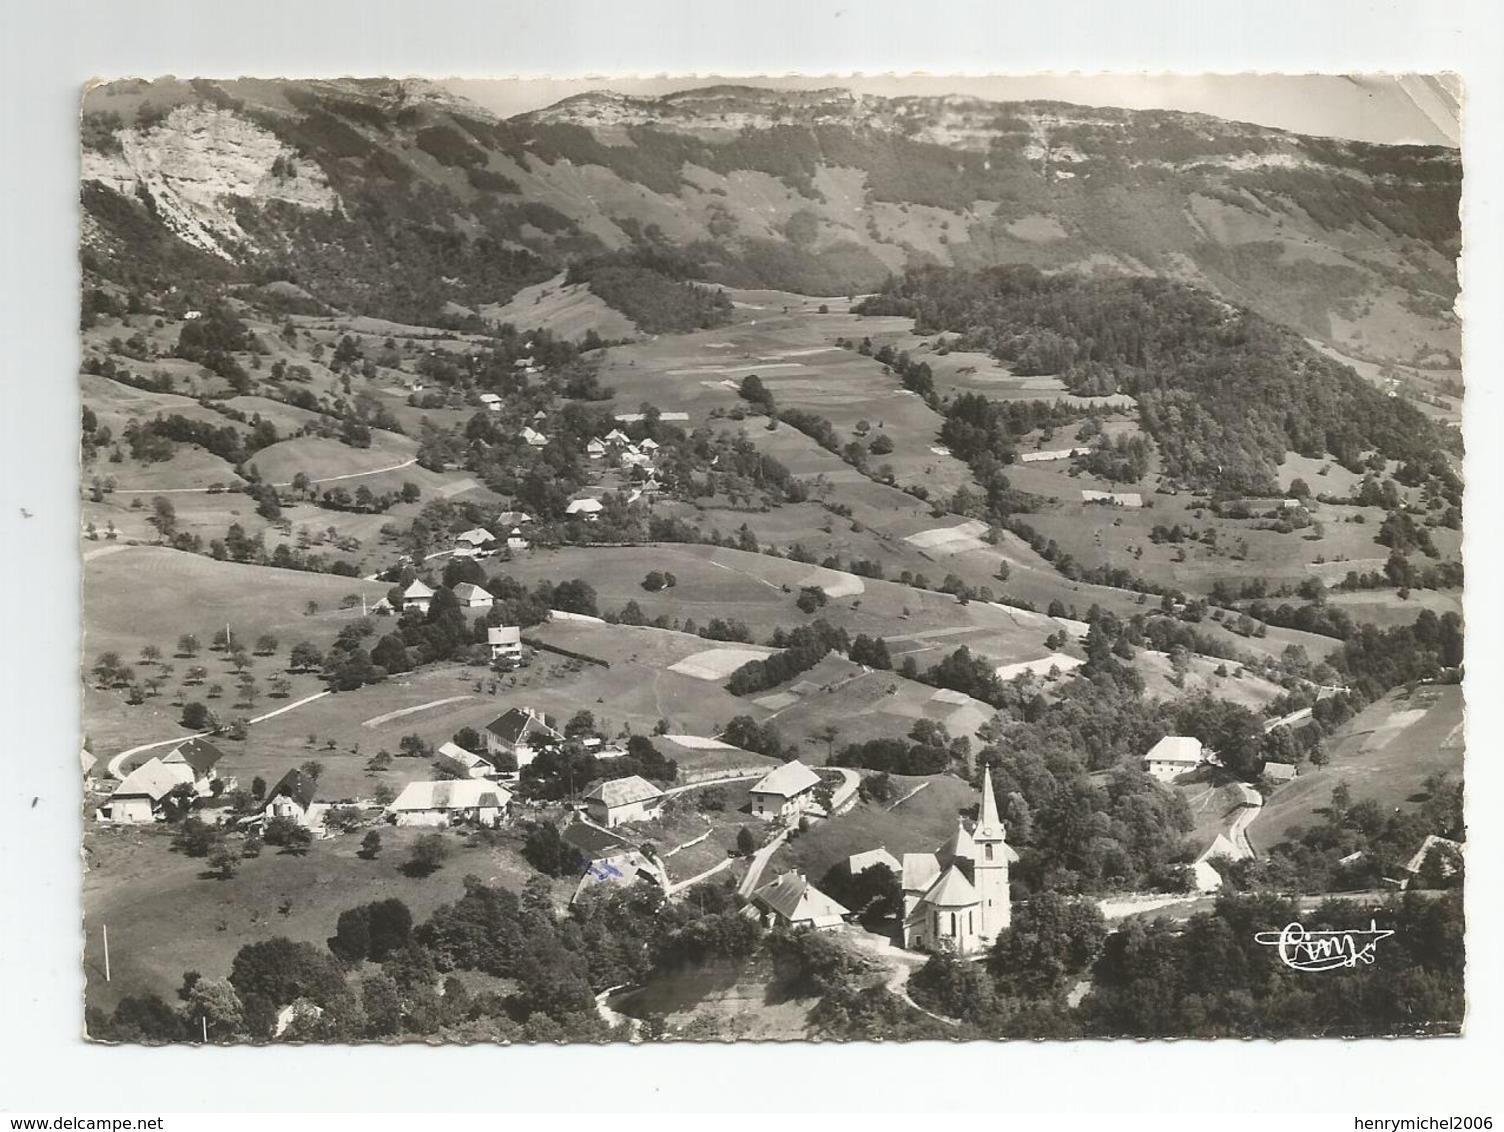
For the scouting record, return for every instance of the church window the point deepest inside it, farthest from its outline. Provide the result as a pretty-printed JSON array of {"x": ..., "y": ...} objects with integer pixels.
[
  {"x": 970, "y": 923},
  {"x": 989, "y": 852},
  {"x": 952, "y": 923}
]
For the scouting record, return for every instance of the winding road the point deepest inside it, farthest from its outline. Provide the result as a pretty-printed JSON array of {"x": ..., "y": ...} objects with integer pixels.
[{"x": 117, "y": 763}]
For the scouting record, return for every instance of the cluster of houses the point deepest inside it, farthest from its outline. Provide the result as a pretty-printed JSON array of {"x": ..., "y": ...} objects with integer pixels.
[{"x": 142, "y": 795}]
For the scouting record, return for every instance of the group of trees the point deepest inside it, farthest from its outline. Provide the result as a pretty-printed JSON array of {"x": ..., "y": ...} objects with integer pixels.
[{"x": 800, "y": 649}]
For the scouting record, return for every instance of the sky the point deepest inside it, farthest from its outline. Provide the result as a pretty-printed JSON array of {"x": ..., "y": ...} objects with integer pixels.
[{"x": 1375, "y": 108}]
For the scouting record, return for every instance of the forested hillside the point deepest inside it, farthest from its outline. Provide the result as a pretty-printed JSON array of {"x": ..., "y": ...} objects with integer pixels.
[{"x": 1224, "y": 392}]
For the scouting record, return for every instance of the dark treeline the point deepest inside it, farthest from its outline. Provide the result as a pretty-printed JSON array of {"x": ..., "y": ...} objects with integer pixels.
[{"x": 800, "y": 649}]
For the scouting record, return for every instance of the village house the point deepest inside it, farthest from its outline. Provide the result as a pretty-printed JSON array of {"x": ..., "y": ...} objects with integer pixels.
[
  {"x": 1280, "y": 772},
  {"x": 417, "y": 596},
  {"x": 533, "y": 437},
  {"x": 649, "y": 446},
  {"x": 471, "y": 596},
  {"x": 516, "y": 540},
  {"x": 1173, "y": 756},
  {"x": 139, "y": 797},
  {"x": 1449, "y": 858},
  {"x": 621, "y": 868},
  {"x": 618, "y": 439},
  {"x": 513, "y": 519},
  {"x": 595, "y": 449},
  {"x": 292, "y": 797},
  {"x": 453, "y": 801},
  {"x": 504, "y": 641},
  {"x": 859, "y": 863},
  {"x": 791, "y": 901},
  {"x": 200, "y": 756},
  {"x": 1203, "y": 872},
  {"x": 619, "y": 800},
  {"x": 785, "y": 792},
  {"x": 472, "y": 542},
  {"x": 467, "y": 764},
  {"x": 588, "y": 509},
  {"x": 491, "y": 401},
  {"x": 520, "y": 733},
  {"x": 956, "y": 899}
]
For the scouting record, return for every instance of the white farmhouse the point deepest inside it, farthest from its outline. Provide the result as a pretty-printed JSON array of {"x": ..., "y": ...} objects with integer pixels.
[
  {"x": 471, "y": 596},
  {"x": 785, "y": 792},
  {"x": 1173, "y": 756},
  {"x": 504, "y": 641},
  {"x": 417, "y": 596},
  {"x": 450, "y": 802},
  {"x": 619, "y": 800}
]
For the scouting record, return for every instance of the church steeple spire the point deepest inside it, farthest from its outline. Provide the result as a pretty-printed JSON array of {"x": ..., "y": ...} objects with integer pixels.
[{"x": 989, "y": 825}]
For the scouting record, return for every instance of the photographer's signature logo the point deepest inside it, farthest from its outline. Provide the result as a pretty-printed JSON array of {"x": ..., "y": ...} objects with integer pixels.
[{"x": 1301, "y": 950}]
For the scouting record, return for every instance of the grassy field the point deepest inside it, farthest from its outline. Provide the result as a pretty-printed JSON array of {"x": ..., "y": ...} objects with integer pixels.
[
  {"x": 324, "y": 459},
  {"x": 1384, "y": 753},
  {"x": 164, "y": 918},
  {"x": 1385, "y": 608},
  {"x": 919, "y": 825}
]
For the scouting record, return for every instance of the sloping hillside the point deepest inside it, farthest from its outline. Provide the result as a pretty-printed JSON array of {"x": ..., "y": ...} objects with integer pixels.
[{"x": 415, "y": 200}]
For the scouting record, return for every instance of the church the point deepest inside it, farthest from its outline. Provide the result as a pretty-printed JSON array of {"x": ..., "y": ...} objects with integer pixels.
[{"x": 956, "y": 898}]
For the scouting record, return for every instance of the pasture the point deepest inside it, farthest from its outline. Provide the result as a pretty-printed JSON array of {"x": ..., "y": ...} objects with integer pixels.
[
  {"x": 1384, "y": 753},
  {"x": 921, "y": 823},
  {"x": 165, "y": 919}
]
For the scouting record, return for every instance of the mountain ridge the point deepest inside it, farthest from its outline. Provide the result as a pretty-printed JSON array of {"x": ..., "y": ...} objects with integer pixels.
[{"x": 825, "y": 191}]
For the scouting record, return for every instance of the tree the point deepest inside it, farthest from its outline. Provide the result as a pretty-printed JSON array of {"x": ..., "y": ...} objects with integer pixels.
[
  {"x": 288, "y": 834},
  {"x": 581, "y": 724},
  {"x": 313, "y": 769},
  {"x": 197, "y": 717},
  {"x": 266, "y": 644},
  {"x": 224, "y": 861},
  {"x": 188, "y": 645},
  {"x": 653, "y": 581},
  {"x": 746, "y": 842},
  {"x": 305, "y": 656},
  {"x": 1050, "y": 941},
  {"x": 428, "y": 853},
  {"x": 150, "y": 654},
  {"x": 164, "y": 517},
  {"x": 214, "y": 1007},
  {"x": 370, "y": 845},
  {"x": 547, "y": 851}
]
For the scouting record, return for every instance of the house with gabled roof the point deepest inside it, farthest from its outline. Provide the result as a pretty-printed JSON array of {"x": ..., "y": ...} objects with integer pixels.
[
  {"x": 513, "y": 519},
  {"x": 292, "y": 797},
  {"x": 467, "y": 764},
  {"x": 595, "y": 448},
  {"x": 588, "y": 509},
  {"x": 784, "y": 792},
  {"x": 504, "y": 641},
  {"x": 201, "y": 757},
  {"x": 417, "y": 596},
  {"x": 1173, "y": 756},
  {"x": 139, "y": 797},
  {"x": 450, "y": 801},
  {"x": 471, "y": 542},
  {"x": 520, "y": 733},
  {"x": 516, "y": 540},
  {"x": 617, "y": 437},
  {"x": 533, "y": 437},
  {"x": 859, "y": 863},
  {"x": 619, "y": 800},
  {"x": 791, "y": 901},
  {"x": 471, "y": 596}
]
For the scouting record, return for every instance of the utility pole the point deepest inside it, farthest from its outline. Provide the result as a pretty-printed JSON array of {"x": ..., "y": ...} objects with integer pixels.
[
  {"x": 106, "y": 929},
  {"x": 204, "y": 1018}
]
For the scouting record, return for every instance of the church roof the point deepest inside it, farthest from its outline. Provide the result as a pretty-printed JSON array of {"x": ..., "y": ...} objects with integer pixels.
[
  {"x": 952, "y": 890},
  {"x": 959, "y": 847},
  {"x": 919, "y": 871}
]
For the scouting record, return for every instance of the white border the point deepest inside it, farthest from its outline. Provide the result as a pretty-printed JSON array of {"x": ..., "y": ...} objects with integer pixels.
[{"x": 47, "y": 50}]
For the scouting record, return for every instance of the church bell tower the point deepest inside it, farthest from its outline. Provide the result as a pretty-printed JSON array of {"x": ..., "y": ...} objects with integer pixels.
[{"x": 993, "y": 855}]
